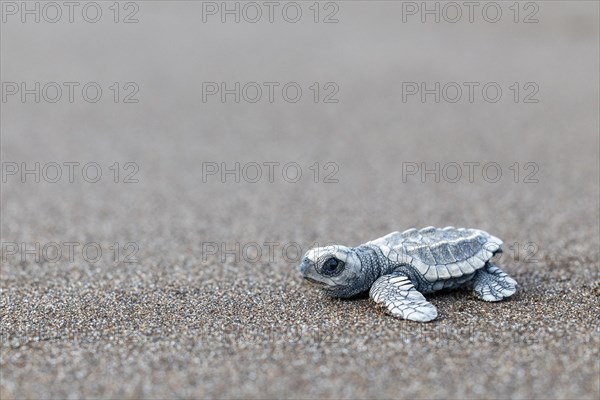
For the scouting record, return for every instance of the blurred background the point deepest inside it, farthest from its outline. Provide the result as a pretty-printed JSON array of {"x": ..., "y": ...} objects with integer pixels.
[{"x": 212, "y": 143}]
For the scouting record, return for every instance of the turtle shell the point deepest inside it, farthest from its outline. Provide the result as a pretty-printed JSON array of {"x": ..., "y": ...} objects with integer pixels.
[{"x": 440, "y": 253}]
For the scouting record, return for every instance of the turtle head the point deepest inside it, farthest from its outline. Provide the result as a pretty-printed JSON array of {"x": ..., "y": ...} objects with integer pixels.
[{"x": 335, "y": 269}]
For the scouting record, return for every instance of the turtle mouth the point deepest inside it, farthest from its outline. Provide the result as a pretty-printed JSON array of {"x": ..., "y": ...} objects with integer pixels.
[
  {"x": 314, "y": 281},
  {"x": 322, "y": 285}
]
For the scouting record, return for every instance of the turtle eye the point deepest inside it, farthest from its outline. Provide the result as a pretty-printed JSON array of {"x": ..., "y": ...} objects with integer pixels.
[{"x": 332, "y": 267}]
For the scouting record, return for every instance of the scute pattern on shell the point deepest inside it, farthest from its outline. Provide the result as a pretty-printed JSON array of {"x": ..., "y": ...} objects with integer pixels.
[{"x": 440, "y": 253}]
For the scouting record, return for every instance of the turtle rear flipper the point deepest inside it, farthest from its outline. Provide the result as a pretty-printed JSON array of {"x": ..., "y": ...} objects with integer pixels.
[
  {"x": 492, "y": 284},
  {"x": 397, "y": 293}
]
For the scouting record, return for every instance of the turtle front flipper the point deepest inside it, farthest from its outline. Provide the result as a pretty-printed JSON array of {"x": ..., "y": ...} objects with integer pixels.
[
  {"x": 397, "y": 293},
  {"x": 492, "y": 284}
]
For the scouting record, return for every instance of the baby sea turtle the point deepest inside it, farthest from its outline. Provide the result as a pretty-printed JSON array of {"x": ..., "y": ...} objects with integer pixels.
[{"x": 399, "y": 267}]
